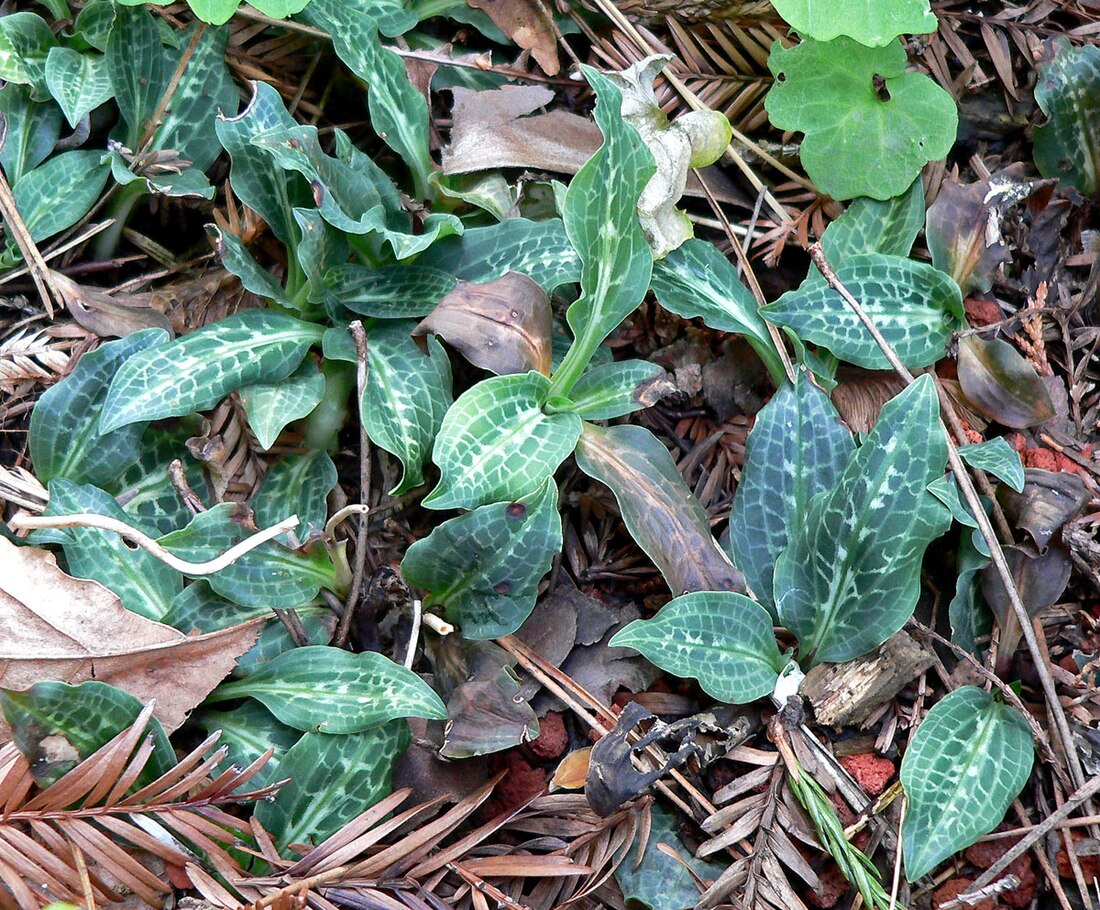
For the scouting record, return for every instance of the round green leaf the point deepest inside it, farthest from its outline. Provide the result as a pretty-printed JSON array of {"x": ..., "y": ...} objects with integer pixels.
[
  {"x": 865, "y": 136},
  {"x": 873, "y": 22},
  {"x": 968, "y": 761},
  {"x": 329, "y": 690},
  {"x": 720, "y": 638}
]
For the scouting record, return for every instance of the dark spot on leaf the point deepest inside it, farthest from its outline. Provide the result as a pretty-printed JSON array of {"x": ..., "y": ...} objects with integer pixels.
[
  {"x": 1065, "y": 165},
  {"x": 293, "y": 143},
  {"x": 515, "y": 511},
  {"x": 318, "y": 193},
  {"x": 879, "y": 84},
  {"x": 781, "y": 77},
  {"x": 502, "y": 587}
]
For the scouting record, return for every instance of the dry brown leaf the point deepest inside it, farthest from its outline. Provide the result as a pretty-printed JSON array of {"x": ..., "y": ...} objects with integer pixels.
[
  {"x": 55, "y": 627},
  {"x": 106, "y": 315},
  {"x": 528, "y": 23}
]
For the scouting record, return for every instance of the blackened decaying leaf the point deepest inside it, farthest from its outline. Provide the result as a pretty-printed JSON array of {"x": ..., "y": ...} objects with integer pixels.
[
  {"x": 486, "y": 716},
  {"x": 964, "y": 226},
  {"x": 1001, "y": 385},
  {"x": 1040, "y": 579},
  {"x": 1050, "y": 499},
  {"x": 503, "y": 326},
  {"x": 612, "y": 778}
]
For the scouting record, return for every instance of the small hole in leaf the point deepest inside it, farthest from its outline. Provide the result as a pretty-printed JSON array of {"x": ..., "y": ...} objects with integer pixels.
[{"x": 782, "y": 77}]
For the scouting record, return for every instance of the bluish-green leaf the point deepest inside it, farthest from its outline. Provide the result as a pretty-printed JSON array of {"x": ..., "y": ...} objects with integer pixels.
[
  {"x": 398, "y": 112},
  {"x": 93, "y": 23},
  {"x": 32, "y": 131},
  {"x": 322, "y": 248},
  {"x": 969, "y": 759},
  {"x": 850, "y": 577},
  {"x": 64, "y": 423},
  {"x": 485, "y": 566},
  {"x": 57, "y": 194},
  {"x": 915, "y": 306},
  {"x": 407, "y": 394},
  {"x": 389, "y": 292},
  {"x": 87, "y": 716},
  {"x": 798, "y": 448},
  {"x": 696, "y": 280},
  {"x": 722, "y": 639},
  {"x": 602, "y": 224},
  {"x": 497, "y": 443},
  {"x": 78, "y": 82},
  {"x": 998, "y": 458},
  {"x": 269, "y": 191},
  {"x": 610, "y": 390},
  {"x": 145, "y": 489},
  {"x": 271, "y": 406},
  {"x": 875, "y": 226},
  {"x": 331, "y": 690},
  {"x": 198, "y": 370},
  {"x": 238, "y": 261},
  {"x": 140, "y": 69},
  {"x": 25, "y": 43},
  {"x": 270, "y": 575},
  {"x": 538, "y": 249},
  {"x": 1068, "y": 88},
  {"x": 333, "y": 779},
  {"x": 969, "y": 616},
  {"x": 296, "y": 485},
  {"x": 248, "y": 732},
  {"x": 143, "y": 583}
]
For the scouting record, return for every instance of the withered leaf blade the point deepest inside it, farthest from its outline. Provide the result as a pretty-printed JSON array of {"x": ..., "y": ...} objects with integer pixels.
[
  {"x": 528, "y": 23},
  {"x": 108, "y": 316},
  {"x": 964, "y": 226},
  {"x": 1001, "y": 385},
  {"x": 1049, "y": 500},
  {"x": 572, "y": 771},
  {"x": 660, "y": 512},
  {"x": 55, "y": 627},
  {"x": 486, "y": 716},
  {"x": 1039, "y": 577},
  {"x": 503, "y": 326}
]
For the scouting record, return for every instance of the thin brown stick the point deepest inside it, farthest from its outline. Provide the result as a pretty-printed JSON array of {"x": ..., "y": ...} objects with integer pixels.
[
  {"x": 970, "y": 494},
  {"x": 359, "y": 336},
  {"x": 36, "y": 265},
  {"x": 23, "y": 522}
]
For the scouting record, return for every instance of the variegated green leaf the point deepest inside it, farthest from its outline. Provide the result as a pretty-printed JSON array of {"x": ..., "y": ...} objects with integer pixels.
[
  {"x": 1066, "y": 146},
  {"x": 93, "y": 23},
  {"x": 798, "y": 448},
  {"x": 322, "y": 247},
  {"x": 248, "y": 732},
  {"x": 610, "y": 390},
  {"x": 915, "y": 306},
  {"x": 969, "y": 759},
  {"x": 237, "y": 260},
  {"x": 271, "y": 406},
  {"x": 601, "y": 221},
  {"x": 330, "y": 690},
  {"x": 406, "y": 396},
  {"x": 872, "y": 226},
  {"x": 31, "y": 131},
  {"x": 140, "y": 69},
  {"x": 851, "y": 575},
  {"x": 538, "y": 249},
  {"x": 87, "y": 717},
  {"x": 270, "y": 575},
  {"x": 969, "y": 616},
  {"x": 398, "y": 112},
  {"x": 198, "y": 370},
  {"x": 78, "y": 82},
  {"x": 143, "y": 583},
  {"x": 658, "y": 509},
  {"x": 270, "y": 192},
  {"x": 333, "y": 779},
  {"x": 498, "y": 444},
  {"x": 25, "y": 43},
  {"x": 389, "y": 292},
  {"x": 722, "y": 639},
  {"x": 998, "y": 458},
  {"x": 296, "y": 485},
  {"x": 57, "y": 194},
  {"x": 696, "y": 280},
  {"x": 485, "y": 566},
  {"x": 64, "y": 423},
  {"x": 145, "y": 491},
  {"x": 199, "y": 607}
]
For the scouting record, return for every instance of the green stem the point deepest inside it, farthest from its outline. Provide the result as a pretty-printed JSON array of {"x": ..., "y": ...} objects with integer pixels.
[
  {"x": 574, "y": 364},
  {"x": 106, "y": 244}
]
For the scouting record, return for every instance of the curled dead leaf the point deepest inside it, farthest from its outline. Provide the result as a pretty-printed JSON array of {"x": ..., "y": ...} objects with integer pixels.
[
  {"x": 504, "y": 326},
  {"x": 109, "y": 316},
  {"x": 572, "y": 770},
  {"x": 55, "y": 627},
  {"x": 529, "y": 24}
]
